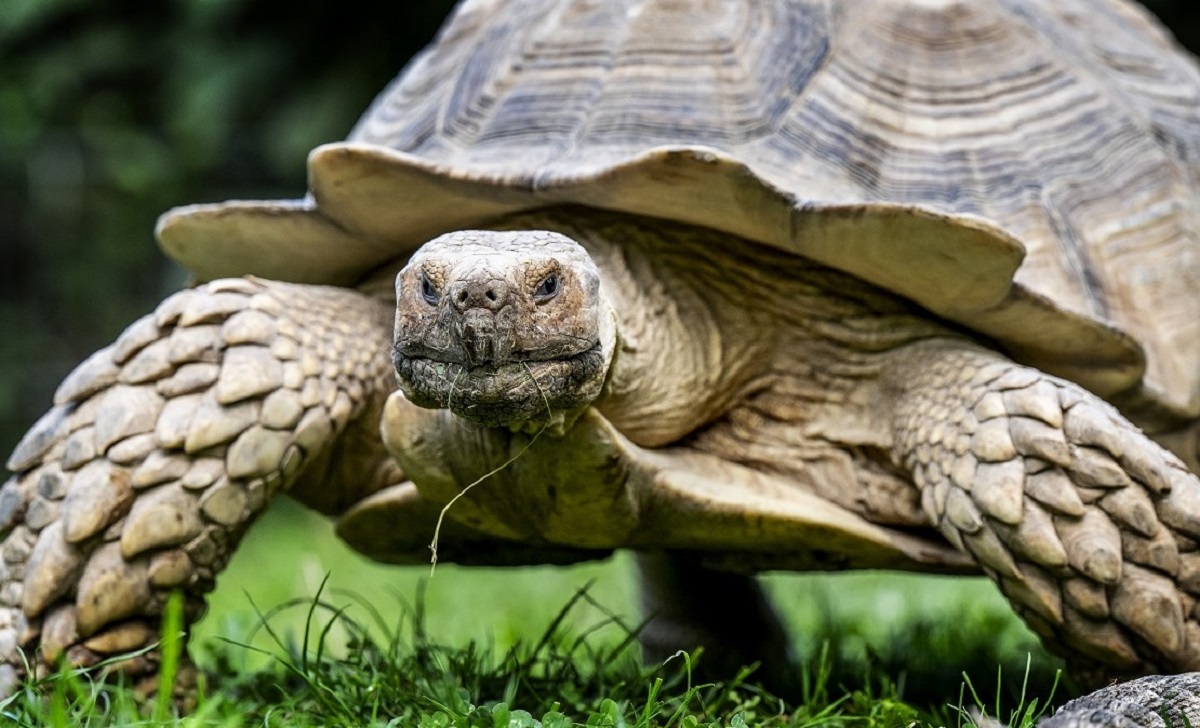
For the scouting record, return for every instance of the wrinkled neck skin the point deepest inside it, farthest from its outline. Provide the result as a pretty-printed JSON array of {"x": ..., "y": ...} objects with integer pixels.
[
  {"x": 682, "y": 352},
  {"x": 751, "y": 354}
]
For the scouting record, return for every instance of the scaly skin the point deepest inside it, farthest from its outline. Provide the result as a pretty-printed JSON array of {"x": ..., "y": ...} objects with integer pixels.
[
  {"x": 164, "y": 447},
  {"x": 1159, "y": 701},
  {"x": 1085, "y": 524}
]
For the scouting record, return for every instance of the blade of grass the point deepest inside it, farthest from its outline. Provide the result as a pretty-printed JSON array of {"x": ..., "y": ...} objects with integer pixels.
[{"x": 171, "y": 648}]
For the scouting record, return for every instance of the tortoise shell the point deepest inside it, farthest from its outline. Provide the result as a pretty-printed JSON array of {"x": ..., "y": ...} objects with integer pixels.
[{"x": 1028, "y": 170}]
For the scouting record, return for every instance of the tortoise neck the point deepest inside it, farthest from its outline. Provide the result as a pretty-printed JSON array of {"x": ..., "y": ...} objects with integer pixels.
[{"x": 685, "y": 348}]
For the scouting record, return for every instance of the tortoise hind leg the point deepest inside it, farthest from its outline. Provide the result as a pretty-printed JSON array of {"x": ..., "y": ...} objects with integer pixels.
[
  {"x": 164, "y": 447},
  {"x": 1086, "y": 525},
  {"x": 688, "y": 605}
]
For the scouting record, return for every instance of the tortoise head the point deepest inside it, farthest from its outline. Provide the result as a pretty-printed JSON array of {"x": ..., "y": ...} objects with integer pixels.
[{"x": 504, "y": 329}]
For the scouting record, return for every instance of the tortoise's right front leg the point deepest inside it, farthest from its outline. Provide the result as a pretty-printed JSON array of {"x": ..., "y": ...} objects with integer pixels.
[{"x": 162, "y": 448}]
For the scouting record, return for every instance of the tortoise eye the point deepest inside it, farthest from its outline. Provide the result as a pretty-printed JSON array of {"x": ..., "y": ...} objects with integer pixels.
[
  {"x": 428, "y": 292},
  {"x": 548, "y": 288}
]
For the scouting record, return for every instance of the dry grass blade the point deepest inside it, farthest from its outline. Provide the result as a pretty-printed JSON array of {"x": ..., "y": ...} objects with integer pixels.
[{"x": 433, "y": 546}]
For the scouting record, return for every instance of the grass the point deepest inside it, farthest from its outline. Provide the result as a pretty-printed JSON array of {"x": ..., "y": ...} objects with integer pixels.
[{"x": 381, "y": 646}]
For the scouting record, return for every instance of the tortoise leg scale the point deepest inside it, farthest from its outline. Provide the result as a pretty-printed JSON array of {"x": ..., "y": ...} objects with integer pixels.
[
  {"x": 1085, "y": 524},
  {"x": 164, "y": 447}
]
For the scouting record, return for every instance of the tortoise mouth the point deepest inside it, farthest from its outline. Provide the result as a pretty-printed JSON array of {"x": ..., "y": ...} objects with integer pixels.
[{"x": 511, "y": 394}]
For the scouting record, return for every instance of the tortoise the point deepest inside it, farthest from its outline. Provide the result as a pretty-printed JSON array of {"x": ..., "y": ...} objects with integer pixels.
[{"x": 741, "y": 286}]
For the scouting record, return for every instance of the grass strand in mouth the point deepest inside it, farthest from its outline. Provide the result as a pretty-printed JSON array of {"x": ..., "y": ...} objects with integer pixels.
[
  {"x": 453, "y": 384},
  {"x": 437, "y": 530}
]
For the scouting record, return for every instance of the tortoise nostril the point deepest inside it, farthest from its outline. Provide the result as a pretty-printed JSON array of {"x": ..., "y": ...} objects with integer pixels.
[{"x": 488, "y": 294}]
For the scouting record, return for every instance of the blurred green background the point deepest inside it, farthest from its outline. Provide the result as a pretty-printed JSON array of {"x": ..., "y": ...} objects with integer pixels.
[{"x": 112, "y": 112}]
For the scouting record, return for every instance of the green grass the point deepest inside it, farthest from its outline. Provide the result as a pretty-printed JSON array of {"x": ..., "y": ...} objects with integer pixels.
[{"x": 346, "y": 642}]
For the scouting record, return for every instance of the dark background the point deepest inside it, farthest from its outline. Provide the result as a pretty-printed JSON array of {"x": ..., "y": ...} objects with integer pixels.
[{"x": 112, "y": 112}]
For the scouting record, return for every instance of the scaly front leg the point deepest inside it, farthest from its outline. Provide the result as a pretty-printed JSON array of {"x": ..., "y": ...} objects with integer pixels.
[
  {"x": 1086, "y": 525},
  {"x": 164, "y": 447}
]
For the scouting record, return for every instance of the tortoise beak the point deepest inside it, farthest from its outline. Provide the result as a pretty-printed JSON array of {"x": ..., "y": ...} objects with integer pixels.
[
  {"x": 478, "y": 318},
  {"x": 482, "y": 338}
]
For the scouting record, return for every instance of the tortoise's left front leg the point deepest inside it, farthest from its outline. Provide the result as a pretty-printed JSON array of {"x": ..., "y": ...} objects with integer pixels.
[{"x": 1087, "y": 526}]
